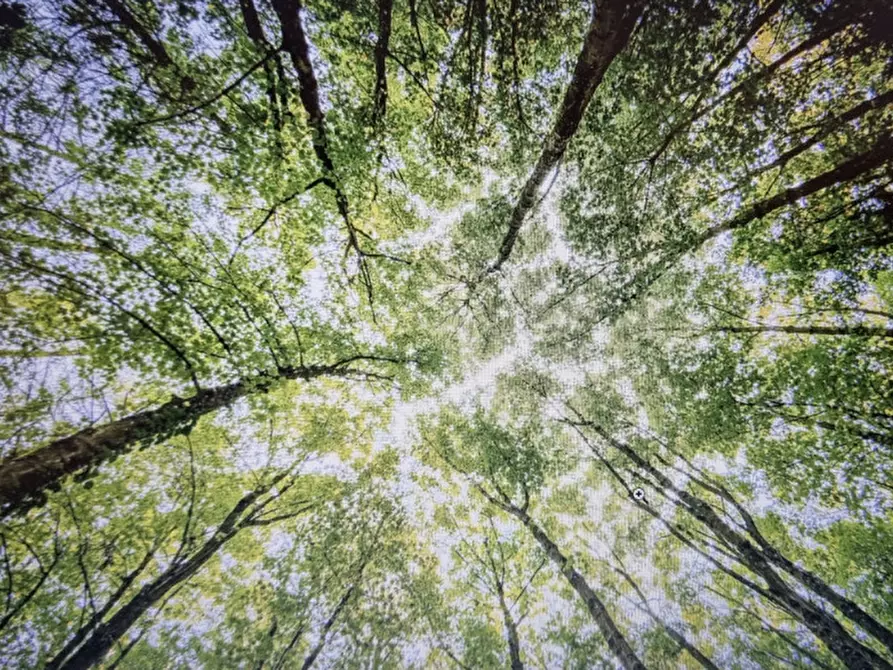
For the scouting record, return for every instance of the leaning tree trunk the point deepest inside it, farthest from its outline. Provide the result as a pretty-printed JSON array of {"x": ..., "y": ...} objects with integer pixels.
[
  {"x": 615, "y": 639},
  {"x": 24, "y": 478},
  {"x": 609, "y": 31},
  {"x": 821, "y": 623},
  {"x": 106, "y": 635}
]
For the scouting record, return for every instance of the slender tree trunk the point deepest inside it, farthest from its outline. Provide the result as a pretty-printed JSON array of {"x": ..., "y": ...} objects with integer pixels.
[
  {"x": 107, "y": 634},
  {"x": 827, "y": 127},
  {"x": 127, "y": 19},
  {"x": 847, "y": 171},
  {"x": 706, "y": 85},
  {"x": 609, "y": 31},
  {"x": 855, "y": 331},
  {"x": 821, "y": 623},
  {"x": 615, "y": 639},
  {"x": 24, "y": 478},
  {"x": 256, "y": 33},
  {"x": 97, "y": 617},
  {"x": 317, "y": 649},
  {"x": 677, "y": 637},
  {"x": 380, "y": 96},
  {"x": 511, "y": 630}
]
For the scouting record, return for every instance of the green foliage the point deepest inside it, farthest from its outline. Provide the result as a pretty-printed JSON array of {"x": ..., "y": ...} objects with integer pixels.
[{"x": 674, "y": 392}]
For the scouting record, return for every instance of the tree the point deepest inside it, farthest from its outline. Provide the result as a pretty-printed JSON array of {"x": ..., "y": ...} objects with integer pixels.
[{"x": 446, "y": 334}]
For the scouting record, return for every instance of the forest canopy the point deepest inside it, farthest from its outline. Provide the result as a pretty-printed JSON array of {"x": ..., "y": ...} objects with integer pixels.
[{"x": 446, "y": 334}]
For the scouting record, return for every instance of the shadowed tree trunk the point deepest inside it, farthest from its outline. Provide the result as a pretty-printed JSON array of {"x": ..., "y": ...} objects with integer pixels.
[
  {"x": 820, "y": 622},
  {"x": 243, "y": 515},
  {"x": 380, "y": 96},
  {"x": 23, "y": 478},
  {"x": 609, "y": 31}
]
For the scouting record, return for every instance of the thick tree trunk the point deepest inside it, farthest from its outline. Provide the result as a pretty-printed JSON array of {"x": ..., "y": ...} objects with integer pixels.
[
  {"x": 294, "y": 41},
  {"x": 609, "y": 31},
  {"x": 820, "y": 622},
  {"x": 24, "y": 478}
]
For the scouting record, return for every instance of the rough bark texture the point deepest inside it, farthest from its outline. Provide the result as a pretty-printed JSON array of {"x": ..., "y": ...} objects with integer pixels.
[
  {"x": 294, "y": 41},
  {"x": 23, "y": 478},
  {"x": 609, "y": 31}
]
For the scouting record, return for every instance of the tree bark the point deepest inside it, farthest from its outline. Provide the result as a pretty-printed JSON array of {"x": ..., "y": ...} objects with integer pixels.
[
  {"x": 511, "y": 630},
  {"x": 327, "y": 626},
  {"x": 152, "y": 45},
  {"x": 821, "y": 623},
  {"x": 609, "y": 31},
  {"x": 107, "y": 634},
  {"x": 97, "y": 617},
  {"x": 855, "y": 331},
  {"x": 256, "y": 33},
  {"x": 851, "y": 169},
  {"x": 24, "y": 478},
  {"x": 677, "y": 637},
  {"x": 616, "y": 641},
  {"x": 380, "y": 96}
]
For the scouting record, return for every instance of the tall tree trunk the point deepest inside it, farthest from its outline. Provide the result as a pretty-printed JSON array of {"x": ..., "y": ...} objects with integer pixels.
[
  {"x": 855, "y": 331},
  {"x": 820, "y": 622},
  {"x": 616, "y": 641},
  {"x": 380, "y": 96},
  {"x": 97, "y": 617},
  {"x": 107, "y": 634},
  {"x": 850, "y": 170},
  {"x": 511, "y": 631},
  {"x": 847, "y": 171},
  {"x": 256, "y": 33},
  {"x": 294, "y": 41},
  {"x": 609, "y": 31},
  {"x": 24, "y": 478},
  {"x": 677, "y": 637},
  {"x": 310, "y": 659}
]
